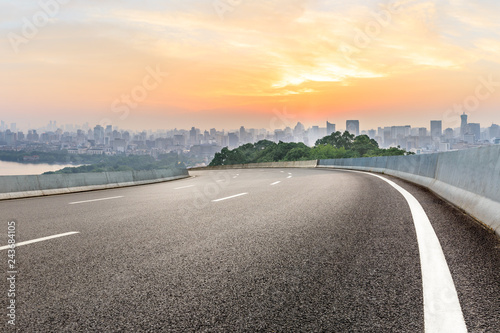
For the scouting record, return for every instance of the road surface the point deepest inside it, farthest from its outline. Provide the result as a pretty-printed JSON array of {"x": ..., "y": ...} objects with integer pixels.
[{"x": 268, "y": 250}]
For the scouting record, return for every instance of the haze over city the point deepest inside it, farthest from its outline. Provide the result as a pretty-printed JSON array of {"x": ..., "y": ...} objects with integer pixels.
[{"x": 199, "y": 63}]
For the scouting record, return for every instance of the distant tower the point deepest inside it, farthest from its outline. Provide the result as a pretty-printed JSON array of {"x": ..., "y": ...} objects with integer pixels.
[
  {"x": 352, "y": 126},
  {"x": 193, "y": 138},
  {"x": 463, "y": 126},
  {"x": 330, "y": 128},
  {"x": 436, "y": 129},
  {"x": 243, "y": 135}
]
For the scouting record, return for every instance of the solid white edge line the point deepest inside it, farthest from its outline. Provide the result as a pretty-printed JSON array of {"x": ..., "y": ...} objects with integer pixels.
[
  {"x": 233, "y": 196},
  {"x": 39, "y": 240},
  {"x": 183, "y": 187},
  {"x": 279, "y": 181},
  {"x": 442, "y": 310},
  {"x": 79, "y": 202}
]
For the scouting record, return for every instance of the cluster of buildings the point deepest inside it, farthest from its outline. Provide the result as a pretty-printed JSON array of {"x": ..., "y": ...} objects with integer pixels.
[{"x": 203, "y": 145}]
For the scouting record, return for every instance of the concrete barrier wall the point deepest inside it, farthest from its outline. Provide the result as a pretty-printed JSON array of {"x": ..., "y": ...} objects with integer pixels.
[
  {"x": 12, "y": 187},
  {"x": 470, "y": 179}
]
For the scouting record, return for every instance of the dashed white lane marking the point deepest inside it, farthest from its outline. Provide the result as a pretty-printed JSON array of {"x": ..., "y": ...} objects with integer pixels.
[
  {"x": 40, "y": 240},
  {"x": 233, "y": 196},
  {"x": 79, "y": 202},
  {"x": 180, "y": 188},
  {"x": 289, "y": 177},
  {"x": 282, "y": 171},
  {"x": 442, "y": 311},
  {"x": 289, "y": 173},
  {"x": 276, "y": 183}
]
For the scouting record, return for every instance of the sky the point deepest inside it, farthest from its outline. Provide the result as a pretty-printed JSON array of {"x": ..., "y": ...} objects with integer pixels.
[{"x": 261, "y": 64}]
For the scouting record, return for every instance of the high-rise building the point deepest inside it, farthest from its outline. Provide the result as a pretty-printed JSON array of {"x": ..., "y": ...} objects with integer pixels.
[
  {"x": 475, "y": 129},
  {"x": 494, "y": 131},
  {"x": 463, "y": 125},
  {"x": 298, "y": 129},
  {"x": 436, "y": 129},
  {"x": 352, "y": 126},
  {"x": 233, "y": 140},
  {"x": 330, "y": 128},
  {"x": 193, "y": 137},
  {"x": 422, "y": 131},
  {"x": 448, "y": 133},
  {"x": 243, "y": 135},
  {"x": 109, "y": 130},
  {"x": 99, "y": 134}
]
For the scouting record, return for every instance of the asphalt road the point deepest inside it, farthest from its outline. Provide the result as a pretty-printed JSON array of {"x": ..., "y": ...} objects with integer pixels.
[{"x": 262, "y": 250}]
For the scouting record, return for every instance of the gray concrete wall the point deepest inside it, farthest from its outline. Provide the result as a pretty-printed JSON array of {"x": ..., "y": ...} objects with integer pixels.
[
  {"x": 469, "y": 179},
  {"x": 12, "y": 187}
]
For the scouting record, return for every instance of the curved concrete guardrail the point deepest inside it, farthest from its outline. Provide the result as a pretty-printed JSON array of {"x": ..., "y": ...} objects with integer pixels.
[
  {"x": 13, "y": 187},
  {"x": 469, "y": 179}
]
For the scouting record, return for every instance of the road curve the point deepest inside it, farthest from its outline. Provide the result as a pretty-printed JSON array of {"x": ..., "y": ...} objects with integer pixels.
[{"x": 272, "y": 250}]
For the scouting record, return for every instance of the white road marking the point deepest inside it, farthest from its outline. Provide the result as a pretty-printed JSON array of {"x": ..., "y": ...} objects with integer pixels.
[
  {"x": 180, "y": 188},
  {"x": 289, "y": 177},
  {"x": 276, "y": 183},
  {"x": 289, "y": 173},
  {"x": 79, "y": 202},
  {"x": 233, "y": 196},
  {"x": 282, "y": 171},
  {"x": 442, "y": 311},
  {"x": 220, "y": 180},
  {"x": 40, "y": 240}
]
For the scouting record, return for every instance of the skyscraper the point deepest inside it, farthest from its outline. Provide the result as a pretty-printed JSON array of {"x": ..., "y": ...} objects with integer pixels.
[
  {"x": 193, "y": 137},
  {"x": 352, "y": 126},
  {"x": 436, "y": 129},
  {"x": 243, "y": 135},
  {"x": 330, "y": 128},
  {"x": 99, "y": 134},
  {"x": 475, "y": 129},
  {"x": 463, "y": 126},
  {"x": 233, "y": 140}
]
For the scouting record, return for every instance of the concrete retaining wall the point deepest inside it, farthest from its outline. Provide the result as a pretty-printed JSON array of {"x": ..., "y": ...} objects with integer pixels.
[
  {"x": 12, "y": 187},
  {"x": 470, "y": 179}
]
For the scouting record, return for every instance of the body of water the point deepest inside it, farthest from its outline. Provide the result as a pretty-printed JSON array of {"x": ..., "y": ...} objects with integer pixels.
[{"x": 16, "y": 169}]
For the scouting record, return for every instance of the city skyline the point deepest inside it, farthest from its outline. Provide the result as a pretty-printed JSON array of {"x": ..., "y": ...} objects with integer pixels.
[
  {"x": 138, "y": 65},
  {"x": 280, "y": 121},
  {"x": 96, "y": 138}
]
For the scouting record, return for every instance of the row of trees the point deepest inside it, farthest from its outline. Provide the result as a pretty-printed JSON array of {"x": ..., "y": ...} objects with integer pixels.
[{"x": 336, "y": 145}]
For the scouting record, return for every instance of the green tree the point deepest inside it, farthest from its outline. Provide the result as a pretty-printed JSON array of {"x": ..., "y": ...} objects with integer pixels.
[{"x": 363, "y": 145}]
